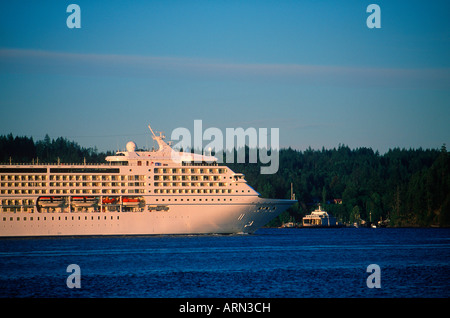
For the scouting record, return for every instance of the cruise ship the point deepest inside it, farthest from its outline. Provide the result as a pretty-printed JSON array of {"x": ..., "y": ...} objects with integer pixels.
[{"x": 134, "y": 193}]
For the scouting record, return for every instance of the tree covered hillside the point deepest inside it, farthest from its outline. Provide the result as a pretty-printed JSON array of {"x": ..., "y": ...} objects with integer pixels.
[{"x": 408, "y": 187}]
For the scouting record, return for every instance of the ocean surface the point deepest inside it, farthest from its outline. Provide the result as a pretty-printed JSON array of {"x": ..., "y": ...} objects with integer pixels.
[{"x": 273, "y": 263}]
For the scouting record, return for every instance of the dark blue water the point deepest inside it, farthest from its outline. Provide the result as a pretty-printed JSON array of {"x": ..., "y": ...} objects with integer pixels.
[{"x": 271, "y": 263}]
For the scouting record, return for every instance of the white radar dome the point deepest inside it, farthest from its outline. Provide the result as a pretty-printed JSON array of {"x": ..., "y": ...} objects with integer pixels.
[{"x": 131, "y": 146}]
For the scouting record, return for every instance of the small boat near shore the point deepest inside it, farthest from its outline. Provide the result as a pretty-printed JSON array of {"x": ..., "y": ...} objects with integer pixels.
[{"x": 319, "y": 218}]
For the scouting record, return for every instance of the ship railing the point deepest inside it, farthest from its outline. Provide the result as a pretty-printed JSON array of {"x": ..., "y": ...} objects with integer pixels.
[
  {"x": 55, "y": 164},
  {"x": 203, "y": 163}
]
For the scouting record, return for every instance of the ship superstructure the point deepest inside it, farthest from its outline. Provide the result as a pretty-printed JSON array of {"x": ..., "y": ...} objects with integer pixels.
[
  {"x": 319, "y": 218},
  {"x": 134, "y": 193}
]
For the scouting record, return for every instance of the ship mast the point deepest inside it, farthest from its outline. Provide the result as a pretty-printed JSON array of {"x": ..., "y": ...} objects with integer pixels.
[
  {"x": 159, "y": 139},
  {"x": 151, "y": 131}
]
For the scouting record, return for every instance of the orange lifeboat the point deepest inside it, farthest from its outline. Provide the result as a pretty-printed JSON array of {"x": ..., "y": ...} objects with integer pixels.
[
  {"x": 127, "y": 201},
  {"x": 109, "y": 200},
  {"x": 84, "y": 201},
  {"x": 50, "y": 202}
]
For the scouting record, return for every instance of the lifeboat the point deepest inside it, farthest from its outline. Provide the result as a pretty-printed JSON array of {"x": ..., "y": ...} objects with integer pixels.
[
  {"x": 127, "y": 201},
  {"x": 109, "y": 200},
  {"x": 50, "y": 202},
  {"x": 158, "y": 208},
  {"x": 84, "y": 201}
]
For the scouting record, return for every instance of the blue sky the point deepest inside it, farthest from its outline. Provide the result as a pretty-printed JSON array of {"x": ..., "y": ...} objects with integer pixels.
[{"x": 311, "y": 68}]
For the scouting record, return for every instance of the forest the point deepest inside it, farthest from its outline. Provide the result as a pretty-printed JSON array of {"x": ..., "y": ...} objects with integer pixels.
[{"x": 403, "y": 187}]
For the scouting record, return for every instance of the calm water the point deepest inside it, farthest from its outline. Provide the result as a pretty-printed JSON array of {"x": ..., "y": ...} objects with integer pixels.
[{"x": 271, "y": 263}]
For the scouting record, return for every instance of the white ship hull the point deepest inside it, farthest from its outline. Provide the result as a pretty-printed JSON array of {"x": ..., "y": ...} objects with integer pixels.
[
  {"x": 183, "y": 219},
  {"x": 135, "y": 193}
]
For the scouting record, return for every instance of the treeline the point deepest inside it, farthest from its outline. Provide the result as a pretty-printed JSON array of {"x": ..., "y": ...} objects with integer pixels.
[
  {"x": 406, "y": 187},
  {"x": 25, "y": 150},
  {"x": 403, "y": 187}
]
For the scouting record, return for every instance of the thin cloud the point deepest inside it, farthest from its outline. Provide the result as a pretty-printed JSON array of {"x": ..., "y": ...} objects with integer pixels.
[{"x": 79, "y": 64}]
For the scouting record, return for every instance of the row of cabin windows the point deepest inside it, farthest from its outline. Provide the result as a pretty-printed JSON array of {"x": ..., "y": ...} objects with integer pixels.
[
  {"x": 71, "y": 191},
  {"x": 58, "y": 177},
  {"x": 106, "y": 184},
  {"x": 59, "y": 218},
  {"x": 33, "y": 191},
  {"x": 97, "y": 184},
  {"x": 23, "y": 177},
  {"x": 147, "y": 163},
  {"x": 70, "y": 184},
  {"x": 17, "y": 202},
  {"x": 75, "y": 179},
  {"x": 190, "y": 170},
  {"x": 96, "y": 177},
  {"x": 196, "y": 199},
  {"x": 187, "y": 177},
  {"x": 22, "y": 184},
  {"x": 119, "y": 191},
  {"x": 175, "y": 191},
  {"x": 190, "y": 184}
]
